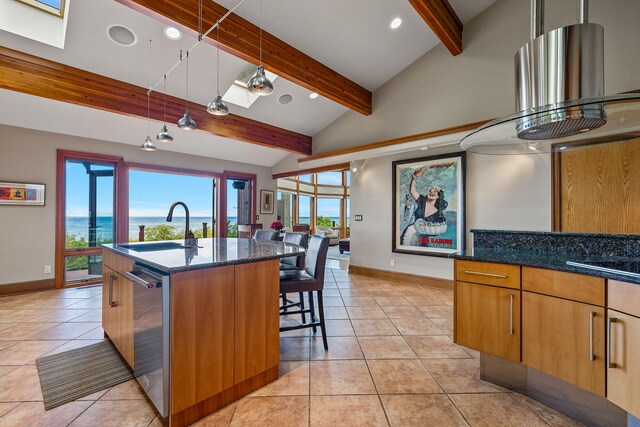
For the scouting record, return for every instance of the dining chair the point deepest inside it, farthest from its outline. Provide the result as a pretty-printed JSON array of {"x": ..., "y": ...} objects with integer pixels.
[
  {"x": 308, "y": 280},
  {"x": 264, "y": 235}
]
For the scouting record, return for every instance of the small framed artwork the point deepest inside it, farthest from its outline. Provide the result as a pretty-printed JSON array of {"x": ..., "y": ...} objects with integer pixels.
[
  {"x": 428, "y": 205},
  {"x": 14, "y": 193},
  {"x": 266, "y": 201}
]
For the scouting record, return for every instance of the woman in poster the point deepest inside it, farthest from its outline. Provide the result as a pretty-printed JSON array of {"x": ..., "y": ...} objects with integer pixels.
[{"x": 428, "y": 214}]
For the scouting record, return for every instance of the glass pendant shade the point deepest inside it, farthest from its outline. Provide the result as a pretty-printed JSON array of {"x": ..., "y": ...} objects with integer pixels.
[
  {"x": 164, "y": 135},
  {"x": 148, "y": 145},
  {"x": 186, "y": 122},
  {"x": 217, "y": 107},
  {"x": 260, "y": 83}
]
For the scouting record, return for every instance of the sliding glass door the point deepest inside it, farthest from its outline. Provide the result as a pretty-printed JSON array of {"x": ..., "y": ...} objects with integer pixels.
[{"x": 88, "y": 196}]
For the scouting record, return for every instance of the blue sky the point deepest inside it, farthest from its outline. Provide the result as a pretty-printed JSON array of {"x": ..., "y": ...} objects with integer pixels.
[
  {"x": 150, "y": 193},
  {"x": 52, "y": 3}
]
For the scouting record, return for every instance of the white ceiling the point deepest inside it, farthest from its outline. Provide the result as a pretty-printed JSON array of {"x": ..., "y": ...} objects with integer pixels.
[{"x": 352, "y": 37}]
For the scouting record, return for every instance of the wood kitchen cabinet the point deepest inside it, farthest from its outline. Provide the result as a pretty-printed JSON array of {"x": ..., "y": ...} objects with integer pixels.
[
  {"x": 565, "y": 339},
  {"x": 623, "y": 368},
  {"x": 488, "y": 319},
  {"x": 117, "y": 312}
]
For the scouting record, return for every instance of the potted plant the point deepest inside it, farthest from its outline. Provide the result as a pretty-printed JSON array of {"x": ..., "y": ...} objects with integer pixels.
[{"x": 277, "y": 225}]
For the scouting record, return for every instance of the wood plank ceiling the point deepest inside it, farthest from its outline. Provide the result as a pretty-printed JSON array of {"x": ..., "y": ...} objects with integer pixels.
[
  {"x": 444, "y": 22},
  {"x": 240, "y": 37},
  {"x": 30, "y": 74}
]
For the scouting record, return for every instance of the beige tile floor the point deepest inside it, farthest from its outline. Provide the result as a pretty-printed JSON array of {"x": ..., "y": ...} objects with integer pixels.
[{"x": 391, "y": 361}]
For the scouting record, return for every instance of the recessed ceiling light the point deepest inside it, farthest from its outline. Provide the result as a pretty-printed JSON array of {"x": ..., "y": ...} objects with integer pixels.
[
  {"x": 313, "y": 95},
  {"x": 172, "y": 33},
  {"x": 395, "y": 23},
  {"x": 285, "y": 99},
  {"x": 119, "y": 34}
]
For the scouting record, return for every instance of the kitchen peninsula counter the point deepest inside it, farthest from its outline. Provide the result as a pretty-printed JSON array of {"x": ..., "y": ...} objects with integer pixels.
[
  {"x": 197, "y": 321},
  {"x": 555, "y": 316}
]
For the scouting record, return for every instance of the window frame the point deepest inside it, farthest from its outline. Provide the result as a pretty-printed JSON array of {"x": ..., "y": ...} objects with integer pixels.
[{"x": 45, "y": 7}]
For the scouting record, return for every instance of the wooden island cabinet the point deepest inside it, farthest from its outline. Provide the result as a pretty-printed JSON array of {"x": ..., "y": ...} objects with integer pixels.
[{"x": 205, "y": 331}]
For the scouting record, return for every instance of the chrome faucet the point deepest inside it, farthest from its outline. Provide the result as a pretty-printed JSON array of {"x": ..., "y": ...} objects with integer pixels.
[{"x": 187, "y": 233}]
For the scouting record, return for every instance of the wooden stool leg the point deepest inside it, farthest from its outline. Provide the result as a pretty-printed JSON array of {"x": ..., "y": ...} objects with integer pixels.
[
  {"x": 301, "y": 297},
  {"x": 322, "y": 327},
  {"x": 313, "y": 311}
]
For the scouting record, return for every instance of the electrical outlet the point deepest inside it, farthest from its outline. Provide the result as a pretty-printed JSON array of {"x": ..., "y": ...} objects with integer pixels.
[
  {"x": 257, "y": 217},
  {"x": 47, "y": 269},
  {"x": 393, "y": 262}
]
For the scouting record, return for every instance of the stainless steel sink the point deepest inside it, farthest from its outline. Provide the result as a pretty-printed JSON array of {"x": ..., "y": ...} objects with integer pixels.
[{"x": 152, "y": 247}]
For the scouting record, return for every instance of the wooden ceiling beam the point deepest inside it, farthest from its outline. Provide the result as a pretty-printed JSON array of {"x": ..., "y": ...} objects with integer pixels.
[
  {"x": 40, "y": 77},
  {"x": 442, "y": 19},
  {"x": 240, "y": 38}
]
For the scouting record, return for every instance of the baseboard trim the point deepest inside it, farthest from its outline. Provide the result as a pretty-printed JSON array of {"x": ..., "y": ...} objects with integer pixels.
[
  {"x": 27, "y": 287},
  {"x": 433, "y": 282}
]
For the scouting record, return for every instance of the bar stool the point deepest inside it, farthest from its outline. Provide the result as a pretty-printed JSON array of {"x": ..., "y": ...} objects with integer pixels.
[
  {"x": 309, "y": 280},
  {"x": 294, "y": 263}
]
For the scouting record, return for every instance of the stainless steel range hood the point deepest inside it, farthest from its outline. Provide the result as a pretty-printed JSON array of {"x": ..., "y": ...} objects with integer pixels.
[{"x": 559, "y": 94}]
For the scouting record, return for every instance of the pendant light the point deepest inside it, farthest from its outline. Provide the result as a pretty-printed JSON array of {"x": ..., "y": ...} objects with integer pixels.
[
  {"x": 217, "y": 107},
  {"x": 260, "y": 83},
  {"x": 148, "y": 144},
  {"x": 164, "y": 135},
  {"x": 186, "y": 122}
]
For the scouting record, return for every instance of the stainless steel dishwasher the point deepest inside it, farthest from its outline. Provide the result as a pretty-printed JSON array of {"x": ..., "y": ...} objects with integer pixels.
[{"x": 151, "y": 334}]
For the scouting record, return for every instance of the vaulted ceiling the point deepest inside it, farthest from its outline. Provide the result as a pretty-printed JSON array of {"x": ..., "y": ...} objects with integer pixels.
[{"x": 352, "y": 38}]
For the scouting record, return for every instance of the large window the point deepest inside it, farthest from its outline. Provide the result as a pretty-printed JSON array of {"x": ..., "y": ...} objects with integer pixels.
[
  {"x": 304, "y": 212},
  {"x": 316, "y": 199},
  {"x": 329, "y": 178},
  {"x": 151, "y": 194},
  {"x": 328, "y": 212},
  {"x": 286, "y": 208}
]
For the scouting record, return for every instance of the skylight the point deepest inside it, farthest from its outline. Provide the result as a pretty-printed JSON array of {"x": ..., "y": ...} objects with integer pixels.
[
  {"x": 238, "y": 93},
  {"x": 55, "y": 7}
]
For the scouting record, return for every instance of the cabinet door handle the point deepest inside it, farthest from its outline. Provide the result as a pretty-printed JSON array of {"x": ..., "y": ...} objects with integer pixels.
[
  {"x": 511, "y": 314},
  {"x": 478, "y": 273},
  {"x": 592, "y": 356},
  {"x": 112, "y": 303},
  {"x": 610, "y": 364}
]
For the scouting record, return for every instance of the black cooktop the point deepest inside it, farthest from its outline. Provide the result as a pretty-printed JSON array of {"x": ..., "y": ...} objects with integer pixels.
[{"x": 618, "y": 265}]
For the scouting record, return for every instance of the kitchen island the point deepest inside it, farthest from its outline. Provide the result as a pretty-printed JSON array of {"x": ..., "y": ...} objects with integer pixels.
[
  {"x": 196, "y": 320},
  {"x": 556, "y": 316}
]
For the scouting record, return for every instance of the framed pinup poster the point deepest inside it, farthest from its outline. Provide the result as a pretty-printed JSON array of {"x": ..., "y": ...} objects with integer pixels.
[{"x": 428, "y": 205}]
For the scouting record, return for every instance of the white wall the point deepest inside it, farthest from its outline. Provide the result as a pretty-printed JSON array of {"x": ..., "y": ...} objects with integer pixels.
[
  {"x": 27, "y": 21},
  {"x": 504, "y": 194},
  {"x": 439, "y": 91},
  {"x": 27, "y": 234}
]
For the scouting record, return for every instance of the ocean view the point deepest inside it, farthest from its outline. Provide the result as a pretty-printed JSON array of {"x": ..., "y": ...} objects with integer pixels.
[{"x": 78, "y": 226}]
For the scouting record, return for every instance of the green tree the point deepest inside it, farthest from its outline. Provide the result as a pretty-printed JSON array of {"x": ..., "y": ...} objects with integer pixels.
[
  {"x": 324, "y": 221},
  {"x": 232, "y": 229}
]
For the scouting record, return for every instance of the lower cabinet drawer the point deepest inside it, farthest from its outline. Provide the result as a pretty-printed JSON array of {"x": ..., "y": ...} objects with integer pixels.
[
  {"x": 564, "y": 339},
  {"x": 488, "y": 319},
  {"x": 488, "y": 273}
]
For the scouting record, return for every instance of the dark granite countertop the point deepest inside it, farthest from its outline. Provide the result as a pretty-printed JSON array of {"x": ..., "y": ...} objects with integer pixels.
[
  {"x": 206, "y": 253},
  {"x": 557, "y": 261}
]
